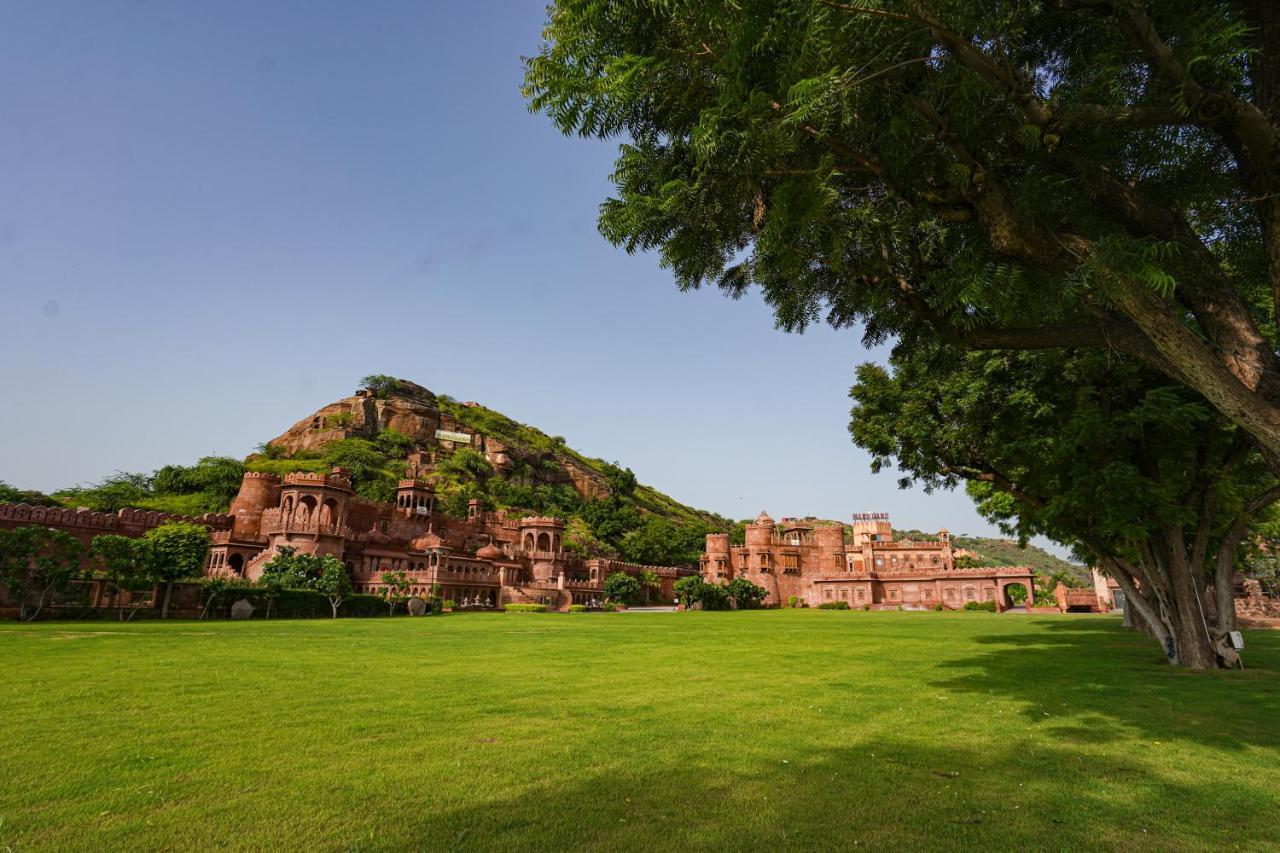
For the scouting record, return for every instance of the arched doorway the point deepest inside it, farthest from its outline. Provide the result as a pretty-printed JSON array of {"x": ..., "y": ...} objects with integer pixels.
[
  {"x": 236, "y": 563},
  {"x": 1016, "y": 595}
]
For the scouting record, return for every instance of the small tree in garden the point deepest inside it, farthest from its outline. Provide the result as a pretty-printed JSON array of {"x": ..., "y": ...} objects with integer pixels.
[
  {"x": 17, "y": 550},
  {"x": 37, "y": 562},
  {"x": 689, "y": 589},
  {"x": 395, "y": 589},
  {"x": 212, "y": 590},
  {"x": 746, "y": 594},
  {"x": 332, "y": 581},
  {"x": 1017, "y": 594},
  {"x": 178, "y": 552},
  {"x": 713, "y": 597},
  {"x": 120, "y": 562},
  {"x": 649, "y": 581},
  {"x": 621, "y": 587}
]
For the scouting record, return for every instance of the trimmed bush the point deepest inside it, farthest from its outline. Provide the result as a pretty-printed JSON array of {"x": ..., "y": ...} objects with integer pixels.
[
  {"x": 577, "y": 608},
  {"x": 526, "y": 608},
  {"x": 988, "y": 606},
  {"x": 610, "y": 607},
  {"x": 793, "y": 601},
  {"x": 834, "y": 605},
  {"x": 448, "y": 604}
]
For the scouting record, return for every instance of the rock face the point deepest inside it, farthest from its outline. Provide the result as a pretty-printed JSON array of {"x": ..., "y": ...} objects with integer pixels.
[{"x": 414, "y": 411}]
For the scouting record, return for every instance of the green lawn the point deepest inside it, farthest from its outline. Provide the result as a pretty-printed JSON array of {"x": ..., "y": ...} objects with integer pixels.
[{"x": 762, "y": 730}]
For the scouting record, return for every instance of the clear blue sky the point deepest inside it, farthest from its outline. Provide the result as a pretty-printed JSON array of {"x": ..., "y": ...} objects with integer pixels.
[{"x": 216, "y": 217}]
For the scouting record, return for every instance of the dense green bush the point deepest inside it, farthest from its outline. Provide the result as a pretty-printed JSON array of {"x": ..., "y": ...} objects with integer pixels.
[
  {"x": 745, "y": 594},
  {"x": 610, "y": 607},
  {"x": 834, "y": 605},
  {"x": 988, "y": 606},
  {"x": 793, "y": 601},
  {"x": 577, "y": 608},
  {"x": 527, "y": 608}
]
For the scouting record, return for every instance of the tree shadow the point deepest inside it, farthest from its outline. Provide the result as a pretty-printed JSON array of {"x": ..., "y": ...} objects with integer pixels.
[
  {"x": 1090, "y": 679},
  {"x": 870, "y": 796}
]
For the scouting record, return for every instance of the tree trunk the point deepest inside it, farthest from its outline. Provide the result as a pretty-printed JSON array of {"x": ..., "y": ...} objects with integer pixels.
[
  {"x": 168, "y": 591},
  {"x": 334, "y": 604},
  {"x": 1165, "y": 601}
]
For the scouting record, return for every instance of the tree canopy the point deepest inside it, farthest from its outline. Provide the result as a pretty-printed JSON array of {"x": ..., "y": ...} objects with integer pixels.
[
  {"x": 1023, "y": 175},
  {"x": 1143, "y": 477}
]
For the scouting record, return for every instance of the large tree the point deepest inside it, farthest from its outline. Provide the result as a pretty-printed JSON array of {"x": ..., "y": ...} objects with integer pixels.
[
  {"x": 1017, "y": 175},
  {"x": 1142, "y": 477}
]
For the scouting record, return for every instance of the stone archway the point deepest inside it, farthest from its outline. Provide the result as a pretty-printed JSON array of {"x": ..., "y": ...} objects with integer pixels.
[{"x": 1016, "y": 594}]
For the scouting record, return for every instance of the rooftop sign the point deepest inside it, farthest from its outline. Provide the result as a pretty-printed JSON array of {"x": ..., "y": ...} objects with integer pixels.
[{"x": 871, "y": 516}]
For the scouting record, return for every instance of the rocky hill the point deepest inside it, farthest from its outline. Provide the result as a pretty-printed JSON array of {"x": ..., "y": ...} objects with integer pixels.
[{"x": 392, "y": 428}]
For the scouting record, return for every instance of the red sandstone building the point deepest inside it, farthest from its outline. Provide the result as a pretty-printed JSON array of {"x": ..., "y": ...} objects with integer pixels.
[
  {"x": 486, "y": 560},
  {"x": 816, "y": 564}
]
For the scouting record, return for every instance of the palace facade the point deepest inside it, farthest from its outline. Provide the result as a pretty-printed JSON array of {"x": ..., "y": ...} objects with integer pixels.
[
  {"x": 817, "y": 564},
  {"x": 489, "y": 559}
]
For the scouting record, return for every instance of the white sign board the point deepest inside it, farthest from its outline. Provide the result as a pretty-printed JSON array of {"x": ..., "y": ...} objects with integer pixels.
[{"x": 459, "y": 437}]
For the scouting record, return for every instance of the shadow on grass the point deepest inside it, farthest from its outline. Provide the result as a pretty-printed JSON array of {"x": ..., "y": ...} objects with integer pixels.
[
  {"x": 877, "y": 796},
  {"x": 1112, "y": 682}
]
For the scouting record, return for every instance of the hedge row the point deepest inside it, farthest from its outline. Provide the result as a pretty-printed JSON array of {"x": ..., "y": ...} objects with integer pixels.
[{"x": 526, "y": 608}]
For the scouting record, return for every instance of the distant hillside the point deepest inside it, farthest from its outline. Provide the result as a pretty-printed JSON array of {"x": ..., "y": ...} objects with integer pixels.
[{"x": 392, "y": 428}]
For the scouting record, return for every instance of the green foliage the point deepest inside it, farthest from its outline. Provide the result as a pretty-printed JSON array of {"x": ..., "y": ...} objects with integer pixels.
[
  {"x": 988, "y": 606},
  {"x": 207, "y": 486},
  {"x": 793, "y": 601},
  {"x": 834, "y": 605},
  {"x": 280, "y": 467},
  {"x": 745, "y": 594},
  {"x": 10, "y": 495},
  {"x": 622, "y": 482},
  {"x": 111, "y": 494},
  {"x": 621, "y": 587},
  {"x": 449, "y": 604},
  {"x": 1017, "y": 594},
  {"x": 395, "y": 589},
  {"x": 36, "y": 562},
  {"x": 393, "y": 444},
  {"x": 660, "y": 542},
  {"x": 273, "y": 602},
  {"x": 1044, "y": 598},
  {"x": 1062, "y": 171},
  {"x": 178, "y": 551},
  {"x": 577, "y": 608},
  {"x": 121, "y": 562},
  {"x": 271, "y": 450},
  {"x": 693, "y": 589},
  {"x": 332, "y": 581},
  {"x": 382, "y": 385},
  {"x": 339, "y": 420},
  {"x": 527, "y": 608}
]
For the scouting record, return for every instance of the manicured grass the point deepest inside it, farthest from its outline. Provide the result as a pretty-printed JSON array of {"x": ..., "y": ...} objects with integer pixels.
[{"x": 764, "y": 730}]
